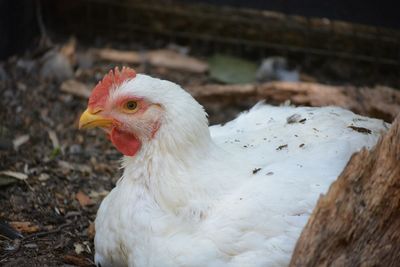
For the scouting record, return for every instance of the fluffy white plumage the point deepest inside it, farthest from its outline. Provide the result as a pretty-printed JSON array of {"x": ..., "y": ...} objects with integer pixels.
[{"x": 232, "y": 195}]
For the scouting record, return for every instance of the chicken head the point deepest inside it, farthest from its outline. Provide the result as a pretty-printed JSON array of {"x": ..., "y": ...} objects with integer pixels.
[{"x": 128, "y": 119}]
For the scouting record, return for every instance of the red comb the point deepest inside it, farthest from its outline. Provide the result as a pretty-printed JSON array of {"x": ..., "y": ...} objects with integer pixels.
[{"x": 111, "y": 80}]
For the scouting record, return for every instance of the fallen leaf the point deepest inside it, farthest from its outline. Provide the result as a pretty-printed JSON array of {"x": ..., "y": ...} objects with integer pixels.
[
  {"x": 20, "y": 140},
  {"x": 102, "y": 167},
  {"x": 76, "y": 88},
  {"x": 65, "y": 165},
  {"x": 25, "y": 227},
  {"x": 83, "y": 199},
  {"x": 79, "y": 248},
  {"x": 43, "y": 177},
  {"x": 99, "y": 194},
  {"x": 82, "y": 168},
  {"x": 31, "y": 245},
  {"x": 87, "y": 246},
  {"x": 232, "y": 70},
  {"x": 53, "y": 138},
  {"x": 17, "y": 175},
  {"x": 91, "y": 231}
]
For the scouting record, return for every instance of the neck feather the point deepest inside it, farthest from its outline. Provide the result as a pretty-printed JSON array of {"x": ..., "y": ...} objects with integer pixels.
[{"x": 169, "y": 165}]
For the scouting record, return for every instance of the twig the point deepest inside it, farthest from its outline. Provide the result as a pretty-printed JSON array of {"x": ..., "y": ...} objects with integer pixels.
[
  {"x": 35, "y": 235},
  {"x": 42, "y": 234},
  {"x": 44, "y": 38}
]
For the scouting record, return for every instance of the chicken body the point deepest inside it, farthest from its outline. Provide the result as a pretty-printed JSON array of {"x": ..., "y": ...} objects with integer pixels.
[{"x": 232, "y": 195}]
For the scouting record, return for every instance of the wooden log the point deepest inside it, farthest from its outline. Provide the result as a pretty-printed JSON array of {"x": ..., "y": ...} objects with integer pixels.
[
  {"x": 160, "y": 58},
  {"x": 357, "y": 223},
  {"x": 379, "y": 102}
]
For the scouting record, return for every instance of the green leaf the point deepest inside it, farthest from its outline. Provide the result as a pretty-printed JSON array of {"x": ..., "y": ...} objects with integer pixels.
[
  {"x": 55, "y": 152},
  {"x": 232, "y": 70}
]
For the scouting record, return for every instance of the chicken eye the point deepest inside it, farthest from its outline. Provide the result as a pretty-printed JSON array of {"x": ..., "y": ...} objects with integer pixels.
[{"x": 131, "y": 105}]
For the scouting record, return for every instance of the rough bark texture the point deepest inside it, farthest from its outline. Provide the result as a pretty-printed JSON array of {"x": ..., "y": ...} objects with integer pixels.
[
  {"x": 357, "y": 223},
  {"x": 380, "y": 102}
]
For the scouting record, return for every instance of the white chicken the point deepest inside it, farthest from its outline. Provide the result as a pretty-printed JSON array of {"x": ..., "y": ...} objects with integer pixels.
[{"x": 232, "y": 195}]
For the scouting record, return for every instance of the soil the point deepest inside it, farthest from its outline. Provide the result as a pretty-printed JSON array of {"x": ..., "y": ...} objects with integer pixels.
[
  {"x": 69, "y": 171},
  {"x": 66, "y": 182}
]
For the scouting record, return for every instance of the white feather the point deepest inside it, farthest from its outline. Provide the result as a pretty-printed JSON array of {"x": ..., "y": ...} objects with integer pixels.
[{"x": 232, "y": 195}]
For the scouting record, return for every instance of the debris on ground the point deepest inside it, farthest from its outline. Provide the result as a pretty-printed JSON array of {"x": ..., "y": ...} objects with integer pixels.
[
  {"x": 277, "y": 69},
  {"x": 232, "y": 70},
  {"x": 56, "y": 66},
  {"x": 53, "y": 177}
]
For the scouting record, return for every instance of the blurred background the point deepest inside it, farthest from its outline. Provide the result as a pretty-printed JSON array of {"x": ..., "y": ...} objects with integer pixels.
[
  {"x": 228, "y": 54},
  {"x": 336, "y": 42}
]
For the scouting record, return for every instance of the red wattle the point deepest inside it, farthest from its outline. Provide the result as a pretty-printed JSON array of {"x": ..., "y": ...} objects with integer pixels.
[{"x": 125, "y": 142}]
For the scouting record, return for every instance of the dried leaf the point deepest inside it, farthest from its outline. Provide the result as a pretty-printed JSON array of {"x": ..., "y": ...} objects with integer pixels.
[
  {"x": 82, "y": 168},
  {"x": 86, "y": 245},
  {"x": 20, "y": 140},
  {"x": 65, "y": 165},
  {"x": 99, "y": 194},
  {"x": 91, "y": 231},
  {"x": 83, "y": 199},
  {"x": 54, "y": 139},
  {"x": 25, "y": 227},
  {"x": 43, "y": 177},
  {"x": 31, "y": 245},
  {"x": 17, "y": 175},
  {"x": 79, "y": 248}
]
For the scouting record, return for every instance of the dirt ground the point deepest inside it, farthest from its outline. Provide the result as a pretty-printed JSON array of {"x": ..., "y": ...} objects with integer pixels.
[
  {"x": 69, "y": 171},
  {"x": 64, "y": 173}
]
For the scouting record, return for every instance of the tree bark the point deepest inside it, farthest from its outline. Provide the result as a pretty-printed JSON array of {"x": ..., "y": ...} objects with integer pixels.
[{"x": 357, "y": 223}]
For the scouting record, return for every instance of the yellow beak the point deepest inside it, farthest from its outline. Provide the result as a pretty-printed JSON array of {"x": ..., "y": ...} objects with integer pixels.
[{"x": 90, "y": 120}]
